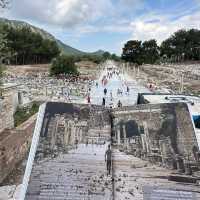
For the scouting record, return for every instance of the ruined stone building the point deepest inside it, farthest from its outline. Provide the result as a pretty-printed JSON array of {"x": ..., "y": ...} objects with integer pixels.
[{"x": 161, "y": 133}]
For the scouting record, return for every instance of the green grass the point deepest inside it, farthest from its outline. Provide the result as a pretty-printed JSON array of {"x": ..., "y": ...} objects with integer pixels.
[{"x": 23, "y": 114}]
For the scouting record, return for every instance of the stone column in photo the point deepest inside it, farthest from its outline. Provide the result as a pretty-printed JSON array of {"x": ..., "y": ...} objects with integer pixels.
[
  {"x": 62, "y": 91},
  {"x": 74, "y": 132},
  {"x": 146, "y": 132},
  {"x": 124, "y": 136},
  {"x": 124, "y": 131},
  {"x": 66, "y": 133},
  {"x": 118, "y": 136},
  {"x": 80, "y": 133}
]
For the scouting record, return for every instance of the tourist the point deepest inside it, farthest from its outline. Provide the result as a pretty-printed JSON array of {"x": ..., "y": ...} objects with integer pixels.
[
  {"x": 111, "y": 96},
  {"x": 108, "y": 159},
  {"x": 88, "y": 99},
  {"x": 127, "y": 89},
  {"x": 86, "y": 142},
  {"x": 105, "y": 91},
  {"x": 118, "y": 91},
  {"x": 119, "y": 104},
  {"x": 76, "y": 143},
  {"x": 104, "y": 101}
]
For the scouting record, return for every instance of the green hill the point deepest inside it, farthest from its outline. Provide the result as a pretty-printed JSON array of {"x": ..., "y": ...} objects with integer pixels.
[{"x": 65, "y": 49}]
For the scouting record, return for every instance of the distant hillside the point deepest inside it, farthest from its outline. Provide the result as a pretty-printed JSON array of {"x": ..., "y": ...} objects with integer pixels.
[
  {"x": 98, "y": 53},
  {"x": 66, "y": 49}
]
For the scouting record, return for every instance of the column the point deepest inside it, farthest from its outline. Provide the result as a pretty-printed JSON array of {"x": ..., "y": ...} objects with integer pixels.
[
  {"x": 124, "y": 133},
  {"x": 118, "y": 136}
]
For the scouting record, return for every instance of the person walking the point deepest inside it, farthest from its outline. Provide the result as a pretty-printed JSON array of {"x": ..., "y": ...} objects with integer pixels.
[
  {"x": 111, "y": 96},
  {"x": 105, "y": 91},
  {"x": 104, "y": 101},
  {"x": 119, "y": 104},
  {"x": 108, "y": 159},
  {"x": 88, "y": 99},
  {"x": 127, "y": 89}
]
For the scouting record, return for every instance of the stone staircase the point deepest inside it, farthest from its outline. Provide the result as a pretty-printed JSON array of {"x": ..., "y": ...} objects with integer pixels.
[{"x": 79, "y": 174}]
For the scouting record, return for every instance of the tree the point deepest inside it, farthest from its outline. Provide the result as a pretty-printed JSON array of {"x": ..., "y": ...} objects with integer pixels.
[
  {"x": 115, "y": 57},
  {"x": 63, "y": 65},
  {"x": 132, "y": 52},
  {"x": 106, "y": 55},
  {"x": 28, "y": 47},
  {"x": 3, "y": 51},
  {"x": 3, "y": 4},
  {"x": 150, "y": 51},
  {"x": 182, "y": 45}
]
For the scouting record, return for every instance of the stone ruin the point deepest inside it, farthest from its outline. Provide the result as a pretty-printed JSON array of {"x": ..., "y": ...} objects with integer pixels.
[
  {"x": 66, "y": 164},
  {"x": 66, "y": 125},
  {"x": 161, "y": 134}
]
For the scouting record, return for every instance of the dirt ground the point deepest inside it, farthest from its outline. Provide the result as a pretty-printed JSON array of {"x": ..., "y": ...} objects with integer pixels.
[
  {"x": 170, "y": 76},
  {"x": 83, "y": 66}
]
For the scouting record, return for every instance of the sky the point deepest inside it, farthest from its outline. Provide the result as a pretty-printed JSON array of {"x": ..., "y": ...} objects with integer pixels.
[{"x": 90, "y": 25}]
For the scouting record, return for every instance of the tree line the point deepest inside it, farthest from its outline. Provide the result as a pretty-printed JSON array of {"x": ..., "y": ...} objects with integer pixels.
[
  {"x": 23, "y": 46},
  {"x": 183, "y": 45},
  {"x": 97, "y": 58},
  {"x": 64, "y": 64}
]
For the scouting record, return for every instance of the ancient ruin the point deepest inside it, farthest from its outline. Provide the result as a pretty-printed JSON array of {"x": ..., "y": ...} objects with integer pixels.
[{"x": 154, "y": 140}]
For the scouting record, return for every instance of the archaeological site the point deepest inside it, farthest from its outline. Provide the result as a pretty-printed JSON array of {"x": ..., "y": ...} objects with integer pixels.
[
  {"x": 137, "y": 144},
  {"x": 100, "y": 100}
]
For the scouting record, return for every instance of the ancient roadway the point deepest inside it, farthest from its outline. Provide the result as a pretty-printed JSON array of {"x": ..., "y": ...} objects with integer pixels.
[{"x": 121, "y": 82}]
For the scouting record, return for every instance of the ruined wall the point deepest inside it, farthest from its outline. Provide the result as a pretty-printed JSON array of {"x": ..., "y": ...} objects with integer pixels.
[
  {"x": 66, "y": 125},
  {"x": 14, "y": 145},
  {"x": 186, "y": 137},
  {"x": 6, "y": 112}
]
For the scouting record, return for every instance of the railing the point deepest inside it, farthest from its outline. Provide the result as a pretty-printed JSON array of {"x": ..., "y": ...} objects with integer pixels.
[{"x": 34, "y": 144}]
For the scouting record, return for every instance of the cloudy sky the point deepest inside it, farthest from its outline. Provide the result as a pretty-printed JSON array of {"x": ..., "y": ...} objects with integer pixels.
[{"x": 90, "y": 25}]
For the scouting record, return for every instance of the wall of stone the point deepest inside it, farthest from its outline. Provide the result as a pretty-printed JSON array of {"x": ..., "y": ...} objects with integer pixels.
[
  {"x": 8, "y": 105},
  {"x": 156, "y": 123},
  {"x": 14, "y": 145},
  {"x": 6, "y": 112},
  {"x": 65, "y": 125}
]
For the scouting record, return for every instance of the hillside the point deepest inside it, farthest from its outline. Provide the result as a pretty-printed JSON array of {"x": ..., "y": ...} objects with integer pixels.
[{"x": 66, "y": 49}]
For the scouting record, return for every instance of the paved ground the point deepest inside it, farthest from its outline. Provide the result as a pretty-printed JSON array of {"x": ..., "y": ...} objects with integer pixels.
[
  {"x": 121, "y": 82},
  {"x": 136, "y": 179},
  {"x": 78, "y": 174}
]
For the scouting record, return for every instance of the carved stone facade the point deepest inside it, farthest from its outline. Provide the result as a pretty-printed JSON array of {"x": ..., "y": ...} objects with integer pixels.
[{"x": 161, "y": 133}]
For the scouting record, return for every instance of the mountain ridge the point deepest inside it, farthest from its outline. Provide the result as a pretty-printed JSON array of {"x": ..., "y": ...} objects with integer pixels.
[{"x": 65, "y": 49}]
